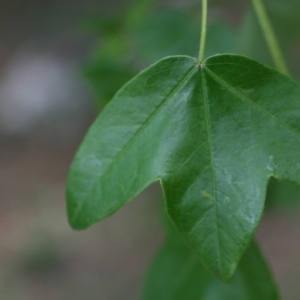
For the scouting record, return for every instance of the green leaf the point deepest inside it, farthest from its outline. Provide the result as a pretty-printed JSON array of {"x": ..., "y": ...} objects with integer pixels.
[
  {"x": 212, "y": 134},
  {"x": 177, "y": 274}
]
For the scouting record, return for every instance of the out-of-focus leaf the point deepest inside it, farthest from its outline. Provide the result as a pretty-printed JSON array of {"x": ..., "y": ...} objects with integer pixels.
[
  {"x": 177, "y": 274},
  {"x": 220, "y": 39},
  {"x": 167, "y": 33}
]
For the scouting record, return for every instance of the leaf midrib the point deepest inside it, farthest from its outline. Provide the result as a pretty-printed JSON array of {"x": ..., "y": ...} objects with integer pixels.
[
  {"x": 207, "y": 118},
  {"x": 132, "y": 139}
]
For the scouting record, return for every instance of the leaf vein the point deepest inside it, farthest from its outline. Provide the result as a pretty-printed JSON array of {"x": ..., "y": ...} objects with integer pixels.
[
  {"x": 247, "y": 99},
  {"x": 207, "y": 117},
  {"x": 132, "y": 139},
  {"x": 191, "y": 156}
]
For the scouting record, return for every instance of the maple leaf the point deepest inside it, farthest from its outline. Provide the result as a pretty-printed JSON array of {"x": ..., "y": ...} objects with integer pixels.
[{"x": 212, "y": 133}]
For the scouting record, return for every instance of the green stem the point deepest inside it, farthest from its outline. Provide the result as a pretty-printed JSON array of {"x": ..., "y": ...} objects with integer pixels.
[
  {"x": 270, "y": 37},
  {"x": 203, "y": 30}
]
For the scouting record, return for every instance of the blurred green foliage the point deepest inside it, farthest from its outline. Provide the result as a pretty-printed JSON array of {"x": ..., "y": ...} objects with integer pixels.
[
  {"x": 285, "y": 19},
  {"x": 41, "y": 256},
  {"x": 177, "y": 274}
]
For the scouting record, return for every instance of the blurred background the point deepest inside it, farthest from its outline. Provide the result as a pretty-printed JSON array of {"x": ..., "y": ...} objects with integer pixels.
[{"x": 60, "y": 63}]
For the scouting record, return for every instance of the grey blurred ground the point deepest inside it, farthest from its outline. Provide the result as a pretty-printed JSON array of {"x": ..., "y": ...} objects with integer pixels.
[{"x": 44, "y": 112}]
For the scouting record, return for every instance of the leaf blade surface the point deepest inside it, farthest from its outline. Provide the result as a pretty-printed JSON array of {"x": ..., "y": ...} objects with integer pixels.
[{"x": 212, "y": 133}]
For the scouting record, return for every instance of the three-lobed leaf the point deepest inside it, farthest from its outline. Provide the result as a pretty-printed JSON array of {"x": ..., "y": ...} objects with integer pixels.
[{"x": 212, "y": 133}]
